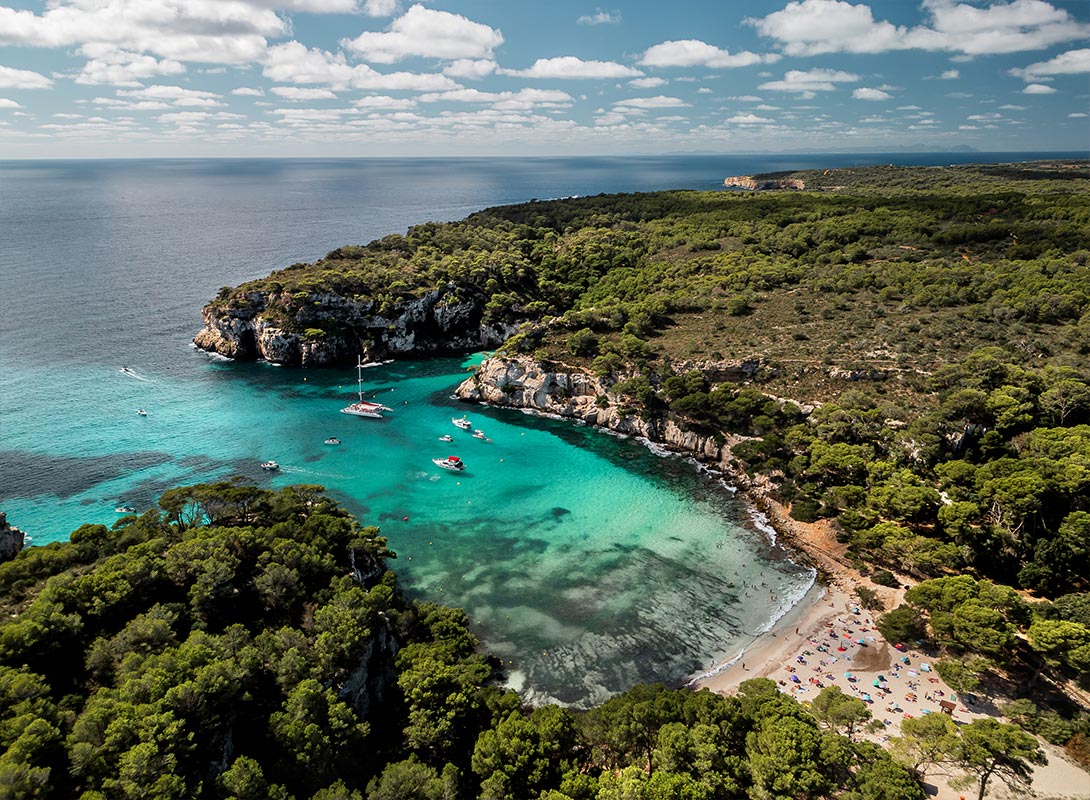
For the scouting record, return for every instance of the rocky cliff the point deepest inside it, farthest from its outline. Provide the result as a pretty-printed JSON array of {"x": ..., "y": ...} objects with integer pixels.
[
  {"x": 521, "y": 382},
  {"x": 312, "y": 329},
  {"x": 762, "y": 184},
  {"x": 11, "y": 539}
]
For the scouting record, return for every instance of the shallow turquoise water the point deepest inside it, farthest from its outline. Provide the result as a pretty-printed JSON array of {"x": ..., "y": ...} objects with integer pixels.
[{"x": 585, "y": 561}]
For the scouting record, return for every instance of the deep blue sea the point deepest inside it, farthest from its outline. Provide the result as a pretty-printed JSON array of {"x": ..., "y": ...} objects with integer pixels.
[{"x": 585, "y": 560}]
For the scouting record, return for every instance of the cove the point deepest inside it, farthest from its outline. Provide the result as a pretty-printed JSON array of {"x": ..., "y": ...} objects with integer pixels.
[{"x": 585, "y": 562}]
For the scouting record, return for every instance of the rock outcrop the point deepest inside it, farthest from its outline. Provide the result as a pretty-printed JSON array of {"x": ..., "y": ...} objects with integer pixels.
[
  {"x": 315, "y": 329},
  {"x": 762, "y": 184},
  {"x": 521, "y": 382},
  {"x": 11, "y": 539}
]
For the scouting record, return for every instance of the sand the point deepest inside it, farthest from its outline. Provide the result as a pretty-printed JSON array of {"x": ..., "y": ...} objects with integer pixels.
[{"x": 829, "y": 636}]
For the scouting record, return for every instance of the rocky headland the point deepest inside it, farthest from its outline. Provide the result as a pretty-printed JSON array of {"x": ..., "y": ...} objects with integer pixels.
[
  {"x": 322, "y": 329},
  {"x": 761, "y": 183}
]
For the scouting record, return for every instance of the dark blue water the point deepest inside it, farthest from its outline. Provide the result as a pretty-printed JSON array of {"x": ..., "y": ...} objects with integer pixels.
[{"x": 585, "y": 560}]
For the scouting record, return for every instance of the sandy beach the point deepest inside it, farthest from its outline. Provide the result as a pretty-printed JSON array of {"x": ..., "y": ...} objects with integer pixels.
[{"x": 830, "y": 640}]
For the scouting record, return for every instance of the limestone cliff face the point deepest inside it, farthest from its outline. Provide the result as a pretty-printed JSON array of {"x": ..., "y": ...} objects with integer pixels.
[
  {"x": 762, "y": 184},
  {"x": 521, "y": 382},
  {"x": 11, "y": 539},
  {"x": 321, "y": 329}
]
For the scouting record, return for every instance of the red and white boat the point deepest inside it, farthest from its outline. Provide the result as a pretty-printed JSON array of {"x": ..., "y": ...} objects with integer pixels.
[{"x": 452, "y": 463}]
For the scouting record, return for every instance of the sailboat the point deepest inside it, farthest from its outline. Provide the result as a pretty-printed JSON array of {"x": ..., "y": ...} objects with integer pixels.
[{"x": 364, "y": 408}]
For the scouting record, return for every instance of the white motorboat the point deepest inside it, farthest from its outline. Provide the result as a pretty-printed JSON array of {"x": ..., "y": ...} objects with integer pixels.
[
  {"x": 141, "y": 412},
  {"x": 363, "y": 408},
  {"x": 332, "y": 440},
  {"x": 125, "y": 510},
  {"x": 446, "y": 437},
  {"x": 450, "y": 462},
  {"x": 270, "y": 466},
  {"x": 462, "y": 423},
  {"x": 478, "y": 434}
]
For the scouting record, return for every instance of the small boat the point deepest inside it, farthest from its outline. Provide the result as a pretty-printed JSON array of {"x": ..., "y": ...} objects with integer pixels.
[
  {"x": 126, "y": 371},
  {"x": 446, "y": 437},
  {"x": 125, "y": 510},
  {"x": 450, "y": 462},
  {"x": 141, "y": 412},
  {"x": 462, "y": 423},
  {"x": 363, "y": 408},
  {"x": 270, "y": 466},
  {"x": 332, "y": 440},
  {"x": 478, "y": 434}
]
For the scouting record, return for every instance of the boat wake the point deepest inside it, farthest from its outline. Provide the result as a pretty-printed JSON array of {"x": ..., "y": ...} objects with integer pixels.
[{"x": 131, "y": 373}]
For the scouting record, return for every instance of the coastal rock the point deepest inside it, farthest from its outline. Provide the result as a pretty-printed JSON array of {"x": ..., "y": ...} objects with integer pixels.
[
  {"x": 521, "y": 382},
  {"x": 320, "y": 329},
  {"x": 11, "y": 539},
  {"x": 762, "y": 184}
]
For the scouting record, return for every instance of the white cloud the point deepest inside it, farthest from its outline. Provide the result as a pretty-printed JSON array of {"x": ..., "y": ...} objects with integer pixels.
[
  {"x": 1010, "y": 107},
  {"x": 863, "y": 93},
  {"x": 748, "y": 119},
  {"x": 11, "y": 78},
  {"x": 812, "y": 27},
  {"x": 1078, "y": 115},
  {"x": 303, "y": 93},
  {"x": 806, "y": 83},
  {"x": 110, "y": 64},
  {"x": 570, "y": 67},
  {"x": 703, "y": 90},
  {"x": 195, "y": 117},
  {"x": 1070, "y": 63},
  {"x": 376, "y": 102},
  {"x": 648, "y": 83},
  {"x": 5, "y": 103},
  {"x": 292, "y": 62},
  {"x": 950, "y": 75},
  {"x": 470, "y": 68},
  {"x": 427, "y": 33},
  {"x": 600, "y": 18},
  {"x": 522, "y": 100},
  {"x": 695, "y": 53},
  {"x": 766, "y": 107},
  {"x": 658, "y": 101},
  {"x": 380, "y": 8},
  {"x": 175, "y": 95},
  {"x": 745, "y": 98},
  {"x": 219, "y": 31},
  {"x": 1038, "y": 88},
  {"x": 247, "y": 91}
]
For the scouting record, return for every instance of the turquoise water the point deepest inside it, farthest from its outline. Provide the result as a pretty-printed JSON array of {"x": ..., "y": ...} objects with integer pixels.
[{"x": 585, "y": 561}]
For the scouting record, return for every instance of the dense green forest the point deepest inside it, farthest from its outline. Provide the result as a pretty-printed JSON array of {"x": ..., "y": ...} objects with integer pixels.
[
  {"x": 911, "y": 346},
  {"x": 243, "y": 643}
]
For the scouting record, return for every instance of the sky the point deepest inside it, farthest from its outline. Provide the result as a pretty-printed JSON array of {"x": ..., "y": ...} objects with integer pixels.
[{"x": 191, "y": 78}]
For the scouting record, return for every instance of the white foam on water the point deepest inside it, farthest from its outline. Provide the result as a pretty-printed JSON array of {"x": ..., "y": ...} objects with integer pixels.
[{"x": 761, "y": 522}]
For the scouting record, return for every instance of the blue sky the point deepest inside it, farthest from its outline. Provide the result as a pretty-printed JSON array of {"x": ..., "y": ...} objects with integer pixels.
[{"x": 119, "y": 78}]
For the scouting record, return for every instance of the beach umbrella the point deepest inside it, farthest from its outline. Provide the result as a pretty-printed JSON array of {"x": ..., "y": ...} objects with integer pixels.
[
  {"x": 860, "y": 642},
  {"x": 849, "y": 676}
]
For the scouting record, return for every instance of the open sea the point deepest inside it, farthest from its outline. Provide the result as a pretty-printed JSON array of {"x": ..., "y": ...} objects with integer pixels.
[{"x": 585, "y": 561}]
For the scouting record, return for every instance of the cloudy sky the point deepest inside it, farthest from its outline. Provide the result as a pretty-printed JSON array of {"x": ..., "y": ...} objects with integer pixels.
[{"x": 523, "y": 77}]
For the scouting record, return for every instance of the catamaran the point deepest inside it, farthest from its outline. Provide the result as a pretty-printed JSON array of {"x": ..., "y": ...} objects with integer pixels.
[{"x": 364, "y": 408}]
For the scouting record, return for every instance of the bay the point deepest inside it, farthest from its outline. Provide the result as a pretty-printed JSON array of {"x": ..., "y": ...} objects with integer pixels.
[{"x": 584, "y": 560}]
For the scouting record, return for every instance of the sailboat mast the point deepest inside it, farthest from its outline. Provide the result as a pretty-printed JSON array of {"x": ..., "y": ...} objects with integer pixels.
[{"x": 359, "y": 375}]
